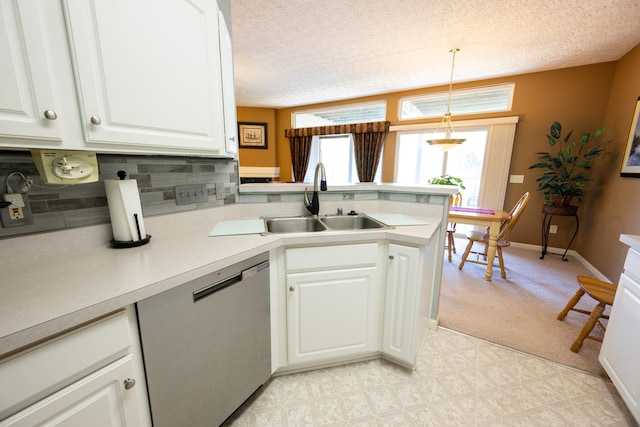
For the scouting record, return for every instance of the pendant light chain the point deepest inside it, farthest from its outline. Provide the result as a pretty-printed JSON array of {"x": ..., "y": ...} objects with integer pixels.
[{"x": 453, "y": 63}]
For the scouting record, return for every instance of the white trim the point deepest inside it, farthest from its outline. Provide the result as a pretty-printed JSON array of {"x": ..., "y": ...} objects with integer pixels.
[
  {"x": 443, "y": 95},
  {"x": 560, "y": 251},
  {"x": 259, "y": 172},
  {"x": 457, "y": 123}
]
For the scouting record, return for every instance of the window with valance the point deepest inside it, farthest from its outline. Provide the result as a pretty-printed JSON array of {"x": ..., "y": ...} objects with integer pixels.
[{"x": 368, "y": 140}]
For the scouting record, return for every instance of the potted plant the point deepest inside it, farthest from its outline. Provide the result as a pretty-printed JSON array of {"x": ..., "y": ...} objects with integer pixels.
[
  {"x": 565, "y": 170},
  {"x": 448, "y": 180}
]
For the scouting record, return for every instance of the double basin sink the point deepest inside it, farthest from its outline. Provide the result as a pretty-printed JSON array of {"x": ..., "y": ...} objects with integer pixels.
[{"x": 305, "y": 224}]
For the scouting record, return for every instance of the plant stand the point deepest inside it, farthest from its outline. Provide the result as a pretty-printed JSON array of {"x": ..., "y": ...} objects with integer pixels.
[{"x": 549, "y": 213}]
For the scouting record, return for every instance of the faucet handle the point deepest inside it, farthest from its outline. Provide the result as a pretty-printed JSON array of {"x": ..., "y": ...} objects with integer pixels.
[{"x": 339, "y": 211}]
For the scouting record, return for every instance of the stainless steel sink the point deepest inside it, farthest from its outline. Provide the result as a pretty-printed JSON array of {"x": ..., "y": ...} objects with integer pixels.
[
  {"x": 305, "y": 224},
  {"x": 293, "y": 225},
  {"x": 351, "y": 222}
]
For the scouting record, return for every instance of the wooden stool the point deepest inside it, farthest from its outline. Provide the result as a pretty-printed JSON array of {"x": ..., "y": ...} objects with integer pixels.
[{"x": 600, "y": 291}]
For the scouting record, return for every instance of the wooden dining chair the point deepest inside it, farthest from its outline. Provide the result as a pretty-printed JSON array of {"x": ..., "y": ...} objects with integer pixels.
[
  {"x": 454, "y": 200},
  {"x": 482, "y": 237}
]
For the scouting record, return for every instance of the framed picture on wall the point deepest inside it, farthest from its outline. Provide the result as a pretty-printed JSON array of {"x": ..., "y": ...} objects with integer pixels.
[
  {"x": 631, "y": 159},
  {"x": 252, "y": 135}
]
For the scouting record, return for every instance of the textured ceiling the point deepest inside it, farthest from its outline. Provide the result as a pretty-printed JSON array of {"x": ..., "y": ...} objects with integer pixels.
[{"x": 298, "y": 52}]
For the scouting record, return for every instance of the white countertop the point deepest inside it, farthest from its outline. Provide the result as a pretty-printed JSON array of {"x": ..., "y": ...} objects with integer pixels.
[
  {"x": 631, "y": 240},
  {"x": 61, "y": 280}
]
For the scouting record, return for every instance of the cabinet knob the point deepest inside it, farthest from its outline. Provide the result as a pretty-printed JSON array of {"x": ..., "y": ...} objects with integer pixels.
[
  {"x": 391, "y": 257},
  {"x": 129, "y": 383},
  {"x": 95, "y": 120},
  {"x": 291, "y": 289},
  {"x": 50, "y": 115}
]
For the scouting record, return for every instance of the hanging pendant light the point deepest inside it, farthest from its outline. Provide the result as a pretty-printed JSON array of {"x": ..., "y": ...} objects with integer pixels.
[{"x": 449, "y": 141}]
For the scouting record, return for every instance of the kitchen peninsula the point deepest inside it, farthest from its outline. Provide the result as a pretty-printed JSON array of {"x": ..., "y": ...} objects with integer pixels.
[{"x": 56, "y": 281}]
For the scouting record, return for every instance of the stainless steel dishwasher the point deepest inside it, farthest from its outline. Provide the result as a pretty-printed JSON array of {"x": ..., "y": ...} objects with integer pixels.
[{"x": 206, "y": 344}]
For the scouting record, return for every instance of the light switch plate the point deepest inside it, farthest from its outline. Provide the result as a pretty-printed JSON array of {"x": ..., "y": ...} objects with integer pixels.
[
  {"x": 516, "y": 179},
  {"x": 219, "y": 190}
]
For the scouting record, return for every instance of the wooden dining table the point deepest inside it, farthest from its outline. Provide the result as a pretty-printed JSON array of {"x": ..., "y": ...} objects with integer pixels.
[{"x": 491, "y": 218}]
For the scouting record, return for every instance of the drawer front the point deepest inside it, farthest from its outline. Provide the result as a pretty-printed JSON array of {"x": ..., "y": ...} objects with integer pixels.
[
  {"x": 632, "y": 264},
  {"x": 36, "y": 373},
  {"x": 333, "y": 257}
]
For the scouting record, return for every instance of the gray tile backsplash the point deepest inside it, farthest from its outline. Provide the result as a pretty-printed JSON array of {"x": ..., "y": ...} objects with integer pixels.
[{"x": 56, "y": 207}]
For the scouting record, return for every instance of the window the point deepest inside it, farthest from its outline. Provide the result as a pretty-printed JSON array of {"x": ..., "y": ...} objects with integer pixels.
[
  {"x": 336, "y": 153},
  {"x": 466, "y": 101},
  {"x": 417, "y": 161},
  {"x": 344, "y": 114}
]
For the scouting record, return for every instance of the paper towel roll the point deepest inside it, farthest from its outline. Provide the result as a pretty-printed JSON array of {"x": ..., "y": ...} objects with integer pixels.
[{"x": 124, "y": 205}]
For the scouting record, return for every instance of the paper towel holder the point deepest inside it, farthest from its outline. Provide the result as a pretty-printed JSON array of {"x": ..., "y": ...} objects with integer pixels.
[{"x": 118, "y": 244}]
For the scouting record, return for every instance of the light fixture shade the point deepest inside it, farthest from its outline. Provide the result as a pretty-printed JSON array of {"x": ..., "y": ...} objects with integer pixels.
[
  {"x": 446, "y": 144},
  {"x": 449, "y": 141}
]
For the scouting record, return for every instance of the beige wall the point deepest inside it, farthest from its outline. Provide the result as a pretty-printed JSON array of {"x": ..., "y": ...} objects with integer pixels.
[
  {"x": 580, "y": 98},
  {"x": 614, "y": 205}
]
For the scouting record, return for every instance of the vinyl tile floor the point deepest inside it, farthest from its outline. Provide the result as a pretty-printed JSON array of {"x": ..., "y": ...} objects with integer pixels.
[{"x": 459, "y": 381}]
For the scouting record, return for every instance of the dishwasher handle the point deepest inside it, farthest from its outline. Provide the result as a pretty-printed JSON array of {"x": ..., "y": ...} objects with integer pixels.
[
  {"x": 212, "y": 289},
  {"x": 218, "y": 286}
]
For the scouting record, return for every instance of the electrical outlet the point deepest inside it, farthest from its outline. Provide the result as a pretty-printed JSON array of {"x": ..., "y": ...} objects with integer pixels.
[
  {"x": 553, "y": 229},
  {"x": 18, "y": 213},
  {"x": 15, "y": 213}
]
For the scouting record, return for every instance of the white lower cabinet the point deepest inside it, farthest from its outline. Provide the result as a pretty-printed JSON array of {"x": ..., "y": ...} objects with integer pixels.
[
  {"x": 620, "y": 351},
  {"x": 99, "y": 400},
  {"x": 344, "y": 302},
  {"x": 91, "y": 376},
  {"x": 401, "y": 307},
  {"x": 332, "y": 302},
  {"x": 332, "y": 313}
]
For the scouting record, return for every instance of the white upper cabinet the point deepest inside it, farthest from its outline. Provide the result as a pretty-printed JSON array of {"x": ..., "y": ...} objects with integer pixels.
[
  {"x": 228, "y": 88},
  {"x": 118, "y": 76},
  {"x": 148, "y": 73},
  {"x": 28, "y": 107}
]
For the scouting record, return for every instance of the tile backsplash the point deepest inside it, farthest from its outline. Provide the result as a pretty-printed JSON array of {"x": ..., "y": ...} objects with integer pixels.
[{"x": 57, "y": 207}]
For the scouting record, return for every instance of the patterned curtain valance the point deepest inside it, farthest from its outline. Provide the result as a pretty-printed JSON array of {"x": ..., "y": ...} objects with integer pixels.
[{"x": 339, "y": 129}]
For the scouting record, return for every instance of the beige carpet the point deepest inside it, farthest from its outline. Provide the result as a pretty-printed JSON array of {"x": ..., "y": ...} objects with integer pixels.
[{"x": 520, "y": 312}]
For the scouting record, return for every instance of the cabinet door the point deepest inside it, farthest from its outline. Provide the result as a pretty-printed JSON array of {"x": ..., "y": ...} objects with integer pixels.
[
  {"x": 332, "y": 314},
  {"x": 99, "y": 400},
  {"x": 401, "y": 304},
  {"x": 620, "y": 351},
  {"x": 27, "y": 86},
  {"x": 148, "y": 73},
  {"x": 228, "y": 88}
]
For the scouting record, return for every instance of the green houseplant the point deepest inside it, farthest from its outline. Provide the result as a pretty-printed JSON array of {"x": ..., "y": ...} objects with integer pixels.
[
  {"x": 565, "y": 169},
  {"x": 448, "y": 180}
]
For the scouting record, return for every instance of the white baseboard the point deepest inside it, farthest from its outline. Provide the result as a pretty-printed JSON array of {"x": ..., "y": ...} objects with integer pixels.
[{"x": 560, "y": 251}]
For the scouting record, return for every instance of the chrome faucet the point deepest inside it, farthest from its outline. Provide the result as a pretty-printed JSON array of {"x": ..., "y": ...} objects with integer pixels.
[{"x": 313, "y": 206}]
